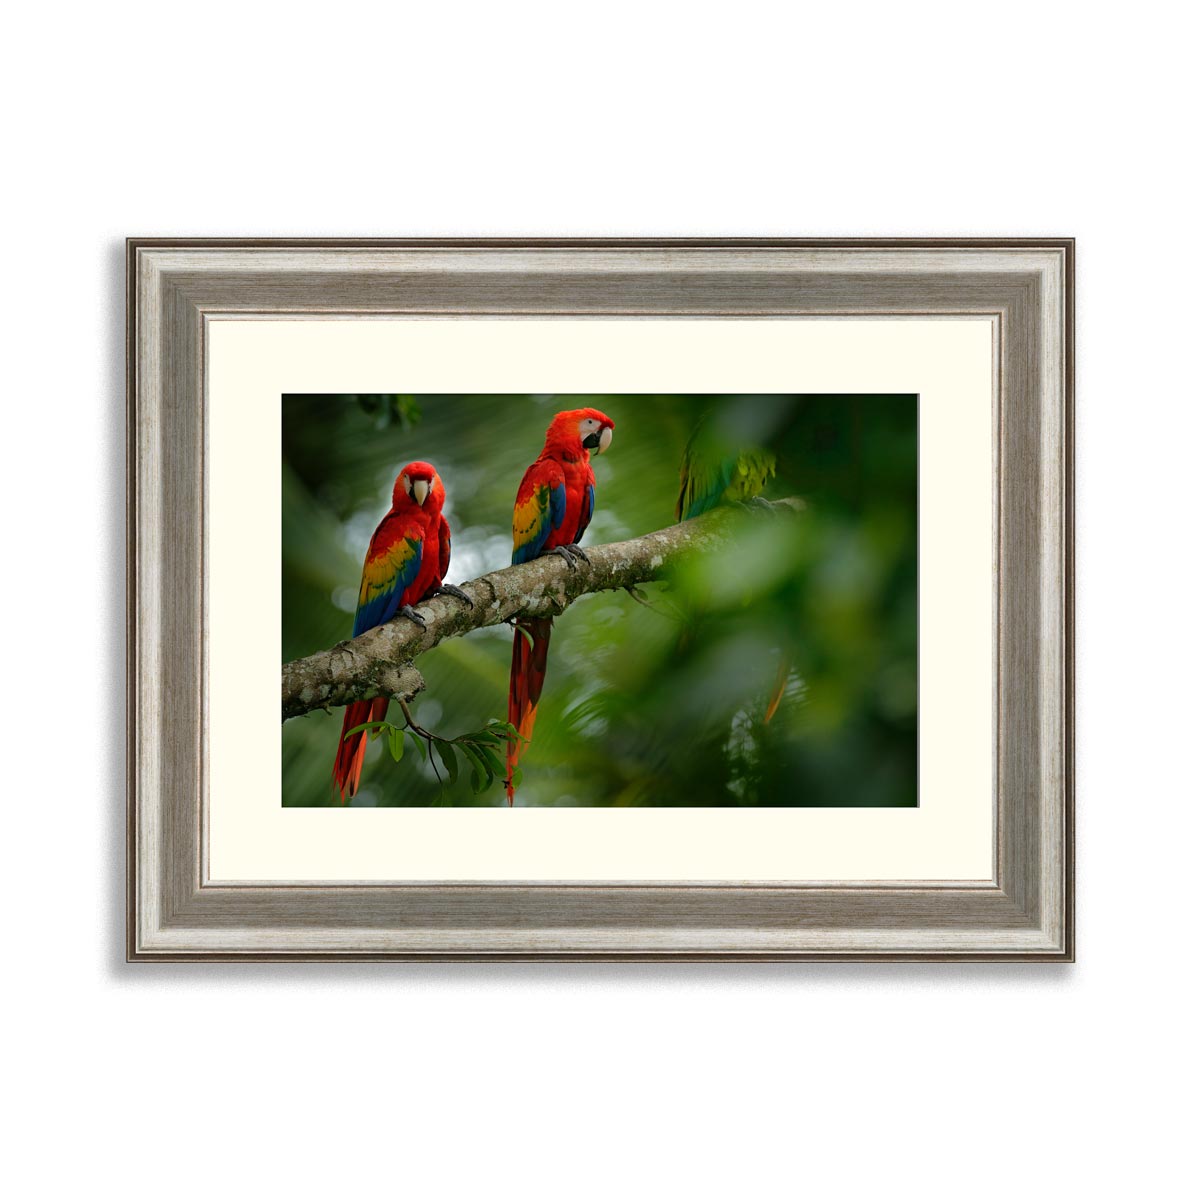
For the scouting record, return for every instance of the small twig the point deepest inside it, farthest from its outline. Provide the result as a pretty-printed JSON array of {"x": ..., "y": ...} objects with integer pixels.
[
  {"x": 411, "y": 722},
  {"x": 421, "y": 731},
  {"x": 676, "y": 615}
]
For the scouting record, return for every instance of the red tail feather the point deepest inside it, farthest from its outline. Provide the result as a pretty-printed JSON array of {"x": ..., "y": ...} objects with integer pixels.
[
  {"x": 348, "y": 765},
  {"x": 525, "y": 687}
]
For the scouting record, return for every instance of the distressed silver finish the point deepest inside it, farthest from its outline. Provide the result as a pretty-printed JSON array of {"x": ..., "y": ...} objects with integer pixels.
[{"x": 176, "y": 286}]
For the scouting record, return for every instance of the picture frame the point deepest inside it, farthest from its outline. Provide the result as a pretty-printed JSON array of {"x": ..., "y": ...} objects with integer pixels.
[{"x": 177, "y": 286}]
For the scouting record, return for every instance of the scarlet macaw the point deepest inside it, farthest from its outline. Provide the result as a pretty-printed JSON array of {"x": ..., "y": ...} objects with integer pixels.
[
  {"x": 401, "y": 569},
  {"x": 713, "y": 473},
  {"x": 553, "y": 509}
]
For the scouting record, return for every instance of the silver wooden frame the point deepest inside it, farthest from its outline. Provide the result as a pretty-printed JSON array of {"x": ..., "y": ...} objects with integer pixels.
[{"x": 176, "y": 286}]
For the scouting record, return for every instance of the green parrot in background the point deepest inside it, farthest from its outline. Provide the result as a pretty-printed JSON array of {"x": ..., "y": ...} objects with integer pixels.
[
  {"x": 715, "y": 471},
  {"x": 706, "y": 480}
]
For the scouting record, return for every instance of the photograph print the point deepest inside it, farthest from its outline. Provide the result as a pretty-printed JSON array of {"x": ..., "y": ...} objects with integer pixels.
[{"x": 600, "y": 600}]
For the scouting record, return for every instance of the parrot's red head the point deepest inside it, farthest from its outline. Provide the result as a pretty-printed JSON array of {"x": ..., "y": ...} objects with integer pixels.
[
  {"x": 419, "y": 484},
  {"x": 575, "y": 432}
]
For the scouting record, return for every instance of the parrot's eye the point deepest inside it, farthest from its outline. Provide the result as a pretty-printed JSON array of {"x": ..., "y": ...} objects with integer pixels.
[{"x": 594, "y": 434}]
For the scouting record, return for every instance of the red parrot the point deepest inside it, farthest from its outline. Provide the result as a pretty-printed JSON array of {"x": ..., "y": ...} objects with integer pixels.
[
  {"x": 554, "y": 507},
  {"x": 406, "y": 562}
]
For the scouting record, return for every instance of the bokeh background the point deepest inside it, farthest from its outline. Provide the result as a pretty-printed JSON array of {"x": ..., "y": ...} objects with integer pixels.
[{"x": 658, "y": 706}]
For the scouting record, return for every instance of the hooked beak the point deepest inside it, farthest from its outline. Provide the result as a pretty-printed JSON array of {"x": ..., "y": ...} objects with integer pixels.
[
  {"x": 420, "y": 489},
  {"x": 598, "y": 441}
]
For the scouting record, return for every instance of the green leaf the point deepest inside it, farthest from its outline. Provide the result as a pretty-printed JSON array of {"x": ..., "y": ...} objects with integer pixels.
[
  {"x": 420, "y": 742},
  {"x": 525, "y": 634},
  {"x": 472, "y": 750},
  {"x": 376, "y": 727},
  {"x": 477, "y": 783},
  {"x": 396, "y": 743},
  {"x": 506, "y": 731},
  {"x": 482, "y": 766},
  {"x": 449, "y": 760},
  {"x": 492, "y": 760}
]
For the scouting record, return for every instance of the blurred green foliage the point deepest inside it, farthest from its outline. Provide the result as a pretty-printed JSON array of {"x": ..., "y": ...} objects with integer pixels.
[{"x": 659, "y": 705}]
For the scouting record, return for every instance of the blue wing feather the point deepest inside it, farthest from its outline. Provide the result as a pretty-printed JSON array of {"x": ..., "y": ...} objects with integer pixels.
[
  {"x": 558, "y": 505},
  {"x": 585, "y": 512},
  {"x": 542, "y": 510},
  {"x": 387, "y": 575}
]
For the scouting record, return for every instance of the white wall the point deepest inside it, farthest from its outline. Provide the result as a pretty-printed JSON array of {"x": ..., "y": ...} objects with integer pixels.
[{"x": 620, "y": 118}]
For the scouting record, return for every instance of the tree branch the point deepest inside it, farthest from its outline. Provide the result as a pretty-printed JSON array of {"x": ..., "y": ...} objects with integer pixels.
[{"x": 379, "y": 662}]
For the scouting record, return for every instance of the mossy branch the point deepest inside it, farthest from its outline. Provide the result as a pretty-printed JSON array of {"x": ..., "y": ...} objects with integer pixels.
[{"x": 379, "y": 662}]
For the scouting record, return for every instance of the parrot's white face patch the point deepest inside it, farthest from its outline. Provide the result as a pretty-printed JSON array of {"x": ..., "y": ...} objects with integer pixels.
[
  {"x": 417, "y": 489},
  {"x": 600, "y": 438}
]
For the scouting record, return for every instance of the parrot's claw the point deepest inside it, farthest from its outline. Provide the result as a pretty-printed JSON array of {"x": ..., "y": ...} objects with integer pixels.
[
  {"x": 759, "y": 503},
  {"x": 578, "y": 551},
  {"x": 407, "y": 610},
  {"x": 448, "y": 589},
  {"x": 562, "y": 553}
]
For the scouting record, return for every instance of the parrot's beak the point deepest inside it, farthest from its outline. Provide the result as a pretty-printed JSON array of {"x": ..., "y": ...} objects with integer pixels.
[
  {"x": 599, "y": 441},
  {"x": 605, "y": 438},
  {"x": 420, "y": 489}
]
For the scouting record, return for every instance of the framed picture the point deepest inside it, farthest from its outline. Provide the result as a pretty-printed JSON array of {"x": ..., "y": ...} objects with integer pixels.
[{"x": 692, "y": 599}]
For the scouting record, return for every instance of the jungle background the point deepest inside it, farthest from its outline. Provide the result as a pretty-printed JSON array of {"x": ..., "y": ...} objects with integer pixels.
[{"x": 657, "y": 706}]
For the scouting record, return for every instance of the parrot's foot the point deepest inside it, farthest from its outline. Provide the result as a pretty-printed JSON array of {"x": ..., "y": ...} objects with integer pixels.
[
  {"x": 563, "y": 553},
  {"x": 577, "y": 551},
  {"x": 407, "y": 610},
  {"x": 757, "y": 502},
  {"x": 448, "y": 589}
]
